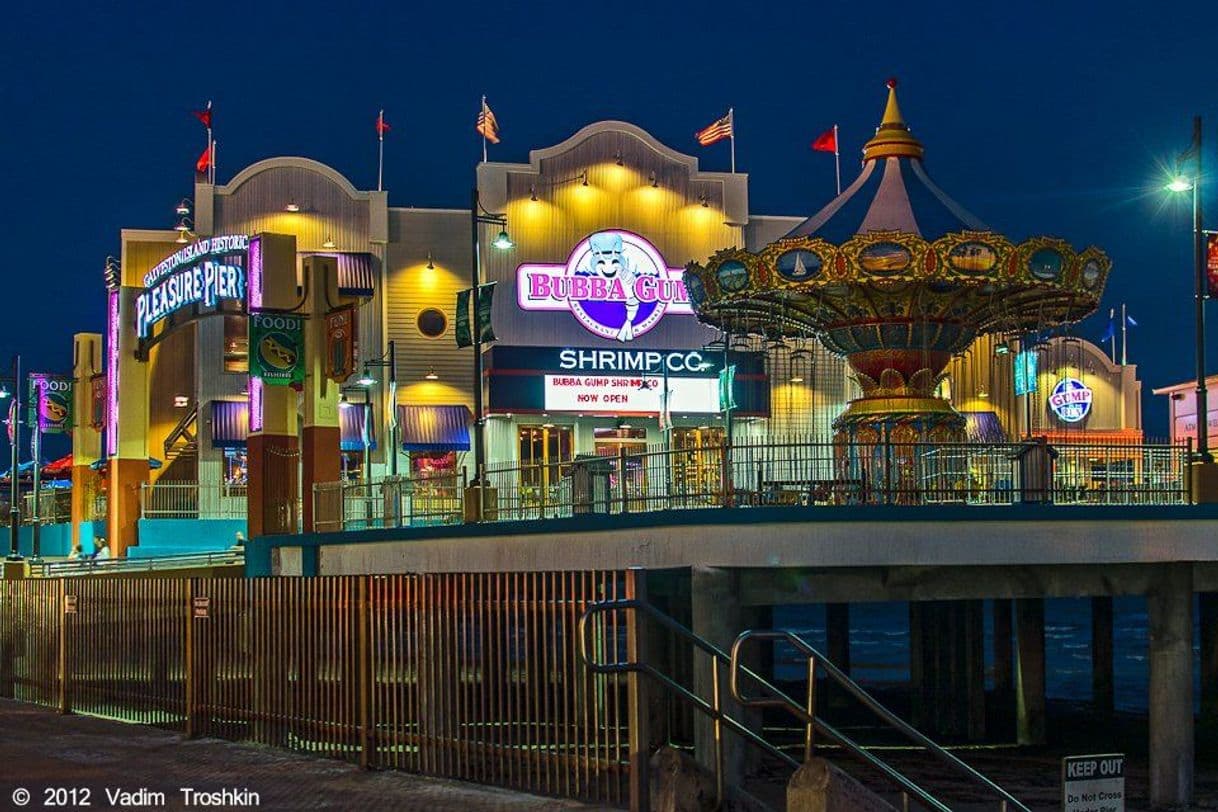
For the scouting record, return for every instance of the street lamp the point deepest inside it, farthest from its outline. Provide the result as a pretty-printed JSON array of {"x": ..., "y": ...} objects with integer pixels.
[
  {"x": 480, "y": 216},
  {"x": 366, "y": 404},
  {"x": 1183, "y": 183},
  {"x": 366, "y": 379},
  {"x": 14, "y": 512}
]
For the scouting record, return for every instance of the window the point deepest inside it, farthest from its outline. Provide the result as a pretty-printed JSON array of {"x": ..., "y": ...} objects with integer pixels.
[
  {"x": 236, "y": 467},
  {"x": 432, "y": 463},
  {"x": 236, "y": 344},
  {"x": 542, "y": 450},
  {"x": 432, "y": 323}
]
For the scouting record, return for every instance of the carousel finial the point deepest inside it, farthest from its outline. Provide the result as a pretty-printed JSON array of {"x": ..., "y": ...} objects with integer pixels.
[{"x": 892, "y": 138}]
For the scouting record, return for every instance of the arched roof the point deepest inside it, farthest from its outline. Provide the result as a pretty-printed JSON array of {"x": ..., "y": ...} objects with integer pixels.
[{"x": 292, "y": 162}]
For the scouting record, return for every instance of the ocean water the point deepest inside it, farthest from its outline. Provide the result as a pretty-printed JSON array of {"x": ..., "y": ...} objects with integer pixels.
[{"x": 879, "y": 646}]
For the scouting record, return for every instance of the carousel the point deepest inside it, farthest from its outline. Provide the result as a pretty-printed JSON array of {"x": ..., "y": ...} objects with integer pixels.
[{"x": 896, "y": 277}]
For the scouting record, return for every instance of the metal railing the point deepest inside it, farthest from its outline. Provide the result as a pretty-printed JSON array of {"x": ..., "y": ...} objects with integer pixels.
[
  {"x": 770, "y": 473},
  {"x": 192, "y": 500},
  {"x": 473, "y": 677},
  {"x": 54, "y": 506},
  {"x": 420, "y": 501},
  {"x": 713, "y": 706},
  {"x": 117, "y": 566},
  {"x": 806, "y": 713}
]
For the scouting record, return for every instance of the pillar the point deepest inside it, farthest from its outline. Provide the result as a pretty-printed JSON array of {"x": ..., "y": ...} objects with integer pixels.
[
  {"x": 947, "y": 668},
  {"x": 973, "y": 641},
  {"x": 1004, "y": 661},
  {"x": 1169, "y": 606},
  {"x": 273, "y": 447},
  {"x": 86, "y": 439},
  {"x": 1030, "y": 671},
  {"x": 320, "y": 436},
  {"x": 718, "y": 618},
  {"x": 127, "y": 413},
  {"x": 1208, "y": 619},
  {"x": 1102, "y": 695},
  {"x": 837, "y": 645}
]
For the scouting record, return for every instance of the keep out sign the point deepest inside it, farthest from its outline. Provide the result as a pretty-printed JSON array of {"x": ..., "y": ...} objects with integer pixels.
[{"x": 1093, "y": 783}]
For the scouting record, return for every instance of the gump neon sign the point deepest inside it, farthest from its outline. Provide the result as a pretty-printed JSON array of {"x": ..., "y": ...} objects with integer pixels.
[
  {"x": 615, "y": 283},
  {"x": 217, "y": 274}
]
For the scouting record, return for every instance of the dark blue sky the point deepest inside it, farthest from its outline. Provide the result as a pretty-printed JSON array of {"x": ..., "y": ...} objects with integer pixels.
[{"x": 1053, "y": 118}]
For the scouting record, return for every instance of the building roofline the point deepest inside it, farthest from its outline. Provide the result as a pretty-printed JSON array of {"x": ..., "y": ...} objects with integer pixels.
[{"x": 292, "y": 162}]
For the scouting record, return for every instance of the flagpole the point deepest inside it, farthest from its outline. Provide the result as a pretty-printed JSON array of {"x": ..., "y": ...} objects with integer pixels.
[
  {"x": 837, "y": 161},
  {"x": 1112, "y": 333},
  {"x": 1123, "y": 326},
  {"x": 483, "y": 134},
  {"x": 380, "y": 160},
  {"x": 731, "y": 120},
  {"x": 211, "y": 170}
]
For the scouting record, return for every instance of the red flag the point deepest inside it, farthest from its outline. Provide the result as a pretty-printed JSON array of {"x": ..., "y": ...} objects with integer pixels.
[
  {"x": 204, "y": 116},
  {"x": 204, "y": 162},
  {"x": 826, "y": 141},
  {"x": 382, "y": 126}
]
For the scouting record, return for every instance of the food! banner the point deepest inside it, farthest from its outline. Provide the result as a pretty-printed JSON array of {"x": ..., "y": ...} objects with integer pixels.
[
  {"x": 277, "y": 349},
  {"x": 50, "y": 402}
]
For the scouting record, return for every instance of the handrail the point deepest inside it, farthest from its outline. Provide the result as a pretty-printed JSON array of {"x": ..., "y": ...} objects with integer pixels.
[
  {"x": 854, "y": 689},
  {"x": 89, "y": 566},
  {"x": 713, "y": 709}
]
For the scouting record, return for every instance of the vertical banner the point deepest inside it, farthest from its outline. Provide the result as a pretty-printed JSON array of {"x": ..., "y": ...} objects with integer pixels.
[
  {"x": 727, "y": 387},
  {"x": 461, "y": 328},
  {"x": 341, "y": 348},
  {"x": 97, "y": 402},
  {"x": 1211, "y": 264},
  {"x": 50, "y": 403},
  {"x": 1025, "y": 372},
  {"x": 486, "y": 301},
  {"x": 277, "y": 349}
]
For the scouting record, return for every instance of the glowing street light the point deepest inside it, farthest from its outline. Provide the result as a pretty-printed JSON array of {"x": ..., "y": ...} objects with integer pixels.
[
  {"x": 1180, "y": 184},
  {"x": 503, "y": 242}
]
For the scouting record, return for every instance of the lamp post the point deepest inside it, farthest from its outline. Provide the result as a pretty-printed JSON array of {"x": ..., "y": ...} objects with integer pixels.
[
  {"x": 14, "y": 512},
  {"x": 389, "y": 360},
  {"x": 480, "y": 216},
  {"x": 1183, "y": 183}
]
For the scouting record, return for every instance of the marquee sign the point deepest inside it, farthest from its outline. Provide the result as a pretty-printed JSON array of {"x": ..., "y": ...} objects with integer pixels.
[
  {"x": 204, "y": 272},
  {"x": 615, "y": 283},
  {"x": 637, "y": 394},
  {"x": 1071, "y": 400}
]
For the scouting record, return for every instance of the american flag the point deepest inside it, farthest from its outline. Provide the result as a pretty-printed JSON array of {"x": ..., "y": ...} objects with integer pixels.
[
  {"x": 487, "y": 125},
  {"x": 716, "y": 132}
]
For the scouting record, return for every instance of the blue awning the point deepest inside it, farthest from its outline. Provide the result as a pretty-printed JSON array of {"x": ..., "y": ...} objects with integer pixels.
[
  {"x": 230, "y": 423},
  {"x": 983, "y": 427},
  {"x": 351, "y": 422},
  {"x": 434, "y": 428},
  {"x": 356, "y": 274},
  {"x": 100, "y": 465}
]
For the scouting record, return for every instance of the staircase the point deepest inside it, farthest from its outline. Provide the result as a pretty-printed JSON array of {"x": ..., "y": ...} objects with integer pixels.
[
  {"x": 817, "y": 779},
  {"x": 182, "y": 442}
]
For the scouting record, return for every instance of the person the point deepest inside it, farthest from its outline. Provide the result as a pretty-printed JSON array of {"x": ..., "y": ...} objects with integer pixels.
[
  {"x": 102, "y": 550},
  {"x": 239, "y": 544},
  {"x": 74, "y": 555}
]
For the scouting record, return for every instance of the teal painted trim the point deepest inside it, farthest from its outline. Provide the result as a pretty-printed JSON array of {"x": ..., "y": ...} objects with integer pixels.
[
  {"x": 908, "y": 514},
  {"x": 54, "y": 540},
  {"x": 258, "y": 556},
  {"x": 310, "y": 561}
]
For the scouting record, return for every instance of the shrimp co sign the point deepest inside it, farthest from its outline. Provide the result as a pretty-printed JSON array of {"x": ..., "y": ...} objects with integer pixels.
[{"x": 615, "y": 283}]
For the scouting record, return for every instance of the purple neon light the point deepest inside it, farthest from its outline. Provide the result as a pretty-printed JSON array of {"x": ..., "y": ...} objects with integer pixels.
[
  {"x": 112, "y": 350},
  {"x": 253, "y": 271},
  {"x": 255, "y": 391}
]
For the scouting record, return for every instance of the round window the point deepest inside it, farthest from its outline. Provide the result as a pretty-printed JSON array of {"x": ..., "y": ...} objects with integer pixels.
[{"x": 432, "y": 323}]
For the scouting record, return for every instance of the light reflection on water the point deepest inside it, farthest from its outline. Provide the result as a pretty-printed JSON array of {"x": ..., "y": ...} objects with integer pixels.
[{"x": 879, "y": 646}]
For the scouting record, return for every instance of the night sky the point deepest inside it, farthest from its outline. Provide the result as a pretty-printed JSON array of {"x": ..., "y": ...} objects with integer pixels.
[{"x": 1054, "y": 118}]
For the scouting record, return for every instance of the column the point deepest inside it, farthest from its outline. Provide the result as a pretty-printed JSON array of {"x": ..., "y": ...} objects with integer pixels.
[
  {"x": 127, "y": 420},
  {"x": 1209, "y": 656},
  {"x": 274, "y": 450},
  {"x": 837, "y": 645},
  {"x": 1101, "y": 655},
  {"x": 320, "y": 437},
  {"x": 973, "y": 658},
  {"x": 717, "y": 617},
  {"x": 1030, "y": 670},
  {"x": 86, "y": 440},
  {"x": 1004, "y": 660},
  {"x": 1169, "y": 607}
]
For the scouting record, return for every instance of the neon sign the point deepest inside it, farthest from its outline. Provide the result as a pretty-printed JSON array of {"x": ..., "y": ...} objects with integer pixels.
[
  {"x": 615, "y": 283},
  {"x": 1070, "y": 400},
  {"x": 112, "y": 383},
  {"x": 221, "y": 246}
]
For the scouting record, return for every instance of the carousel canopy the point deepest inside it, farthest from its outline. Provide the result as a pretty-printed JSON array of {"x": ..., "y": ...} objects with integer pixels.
[{"x": 892, "y": 193}]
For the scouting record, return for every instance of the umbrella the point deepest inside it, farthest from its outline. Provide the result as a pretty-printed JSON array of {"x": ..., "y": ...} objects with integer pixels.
[
  {"x": 62, "y": 465},
  {"x": 23, "y": 469}
]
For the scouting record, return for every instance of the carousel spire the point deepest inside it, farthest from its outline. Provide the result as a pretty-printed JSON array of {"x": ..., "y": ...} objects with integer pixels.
[{"x": 892, "y": 138}]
